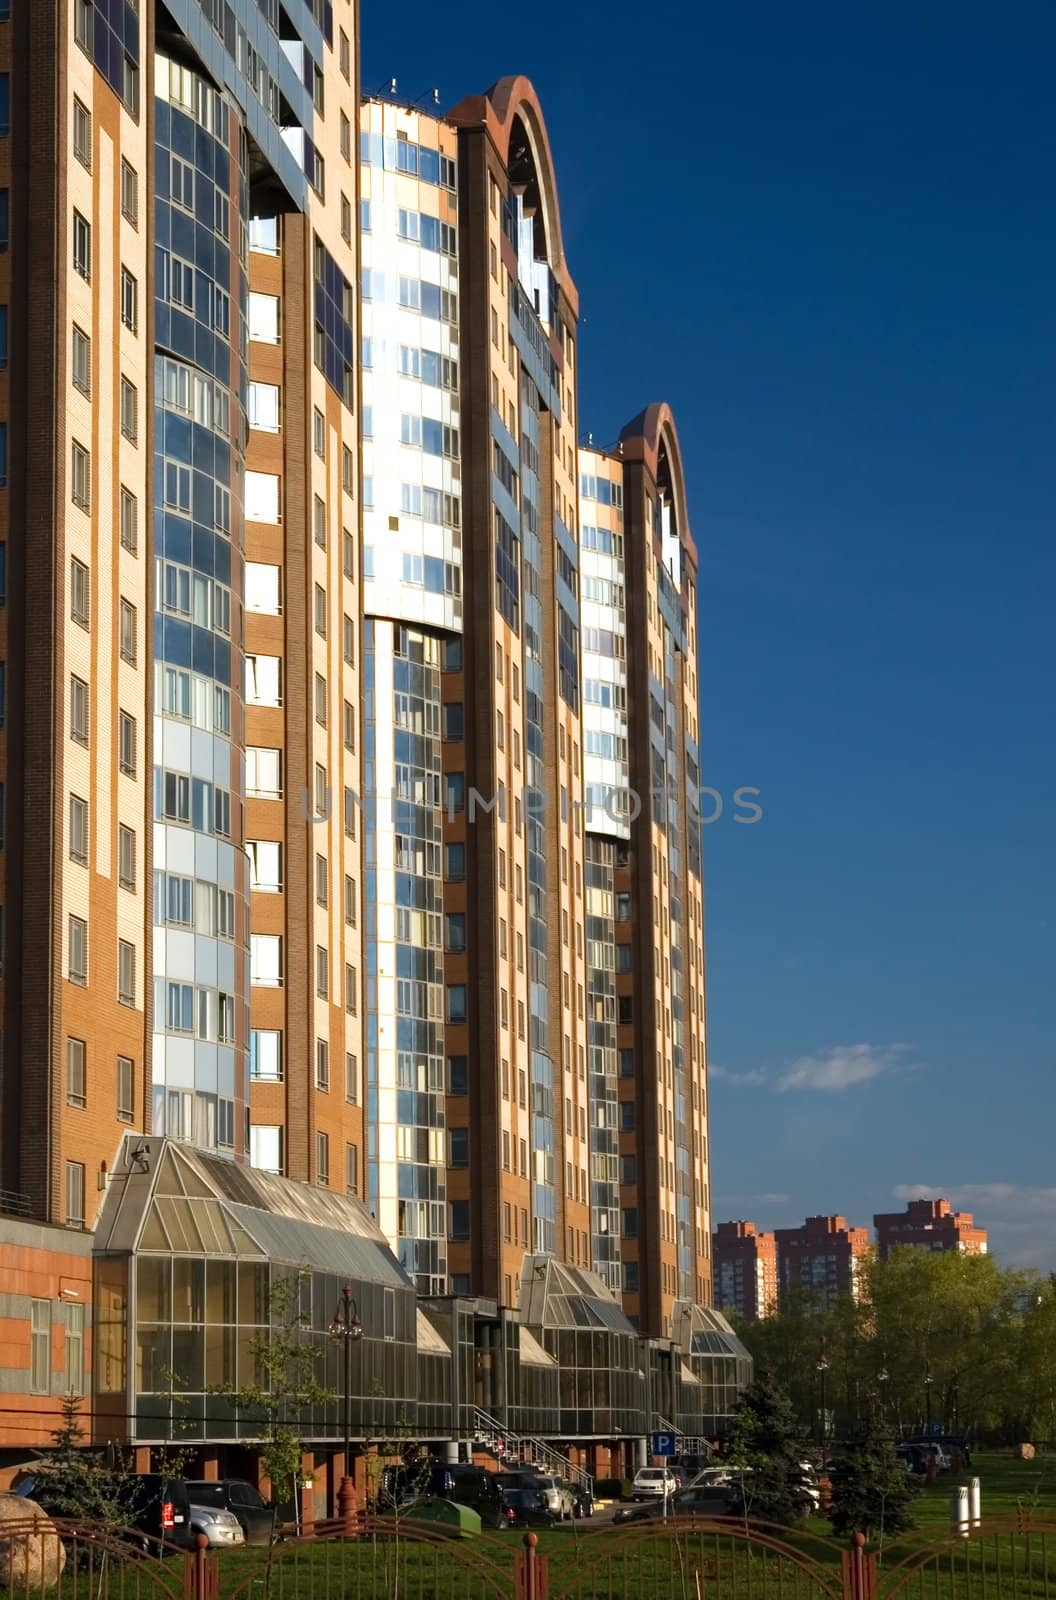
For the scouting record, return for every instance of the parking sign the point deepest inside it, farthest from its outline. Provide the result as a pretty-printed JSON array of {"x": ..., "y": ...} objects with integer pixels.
[{"x": 663, "y": 1444}]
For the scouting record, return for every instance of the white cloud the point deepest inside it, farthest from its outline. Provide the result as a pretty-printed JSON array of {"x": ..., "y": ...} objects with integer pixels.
[
  {"x": 773, "y": 1199},
  {"x": 1020, "y": 1218},
  {"x": 843, "y": 1066},
  {"x": 749, "y": 1079}
]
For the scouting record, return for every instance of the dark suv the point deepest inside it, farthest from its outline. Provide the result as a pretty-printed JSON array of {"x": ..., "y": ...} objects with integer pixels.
[
  {"x": 159, "y": 1508},
  {"x": 256, "y": 1516}
]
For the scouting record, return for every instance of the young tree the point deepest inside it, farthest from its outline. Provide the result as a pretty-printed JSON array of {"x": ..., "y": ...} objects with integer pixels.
[
  {"x": 766, "y": 1446},
  {"x": 285, "y": 1356},
  {"x": 80, "y": 1483},
  {"x": 871, "y": 1490}
]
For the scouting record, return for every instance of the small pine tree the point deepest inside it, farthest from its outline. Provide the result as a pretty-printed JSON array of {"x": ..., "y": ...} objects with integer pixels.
[
  {"x": 766, "y": 1446},
  {"x": 872, "y": 1493},
  {"x": 79, "y": 1483}
]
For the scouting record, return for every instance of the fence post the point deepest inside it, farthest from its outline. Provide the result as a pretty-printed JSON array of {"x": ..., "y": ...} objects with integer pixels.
[
  {"x": 199, "y": 1572},
  {"x": 530, "y": 1575},
  {"x": 859, "y": 1571},
  {"x": 348, "y": 1506}
]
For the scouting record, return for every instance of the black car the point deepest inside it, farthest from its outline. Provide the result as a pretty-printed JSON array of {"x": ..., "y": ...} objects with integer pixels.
[
  {"x": 526, "y": 1508},
  {"x": 460, "y": 1481},
  {"x": 159, "y": 1508},
  {"x": 708, "y": 1500},
  {"x": 257, "y": 1517}
]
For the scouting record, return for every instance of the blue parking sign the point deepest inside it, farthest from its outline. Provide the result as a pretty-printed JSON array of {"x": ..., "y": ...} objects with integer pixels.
[{"x": 663, "y": 1444}]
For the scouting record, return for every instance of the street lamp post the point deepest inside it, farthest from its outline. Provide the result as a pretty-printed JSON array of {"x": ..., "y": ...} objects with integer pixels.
[
  {"x": 823, "y": 1369},
  {"x": 347, "y": 1327},
  {"x": 927, "y": 1397}
]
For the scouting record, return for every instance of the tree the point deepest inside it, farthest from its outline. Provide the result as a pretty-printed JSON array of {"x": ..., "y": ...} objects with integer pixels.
[
  {"x": 80, "y": 1483},
  {"x": 285, "y": 1356},
  {"x": 765, "y": 1445},
  {"x": 871, "y": 1490}
]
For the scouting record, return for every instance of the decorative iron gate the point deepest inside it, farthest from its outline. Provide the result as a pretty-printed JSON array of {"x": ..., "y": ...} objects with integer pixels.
[
  {"x": 695, "y": 1558},
  {"x": 998, "y": 1560}
]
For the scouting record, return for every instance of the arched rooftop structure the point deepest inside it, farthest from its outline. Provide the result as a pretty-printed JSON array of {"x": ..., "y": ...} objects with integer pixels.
[
  {"x": 511, "y": 114},
  {"x": 652, "y": 438}
]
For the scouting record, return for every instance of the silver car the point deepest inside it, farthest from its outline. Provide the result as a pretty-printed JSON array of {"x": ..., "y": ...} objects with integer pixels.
[
  {"x": 559, "y": 1500},
  {"x": 221, "y": 1528}
]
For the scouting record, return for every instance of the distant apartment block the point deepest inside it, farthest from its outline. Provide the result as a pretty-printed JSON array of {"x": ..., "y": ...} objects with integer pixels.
[
  {"x": 744, "y": 1262},
  {"x": 930, "y": 1225},
  {"x": 822, "y": 1255}
]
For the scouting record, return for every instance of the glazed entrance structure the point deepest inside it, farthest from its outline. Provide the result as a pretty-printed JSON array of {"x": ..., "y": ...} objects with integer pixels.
[{"x": 199, "y": 1261}]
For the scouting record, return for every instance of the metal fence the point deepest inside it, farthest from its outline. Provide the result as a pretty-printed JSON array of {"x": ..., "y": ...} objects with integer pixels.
[{"x": 387, "y": 1558}]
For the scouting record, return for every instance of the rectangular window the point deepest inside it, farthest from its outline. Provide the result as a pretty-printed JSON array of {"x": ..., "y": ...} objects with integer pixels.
[
  {"x": 126, "y": 1089},
  {"x": 78, "y": 829},
  {"x": 81, "y": 476},
  {"x": 264, "y": 772},
  {"x": 265, "y": 960},
  {"x": 82, "y": 361},
  {"x": 126, "y": 857},
  {"x": 319, "y": 522},
  {"x": 79, "y": 710},
  {"x": 129, "y": 521},
  {"x": 262, "y": 497},
  {"x": 264, "y": 407},
  {"x": 320, "y": 700},
  {"x": 265, "y": 1055},
  {"x": 129, "y": 411},
  {"x": 129, "y": 630},
  {"x": 264, "y": 318},
  {"x": 82, "y": 133},
  {"x": 181, "y": 283},
  {"x": 181, "y": 184},
  {"x": 351, "y": 1078},
  {"x": 75, "y": 1194},
  {"x": 350, "y": 901},
  {"x": 126, "y": 973},
  {"x": 263, "y": 680},
  {"x": 129, "y": 193},
  {"x": 126, "y": 741},
  {"x": 82, "y": 245},
  {"x": 129, "y": 300},
  {"x": 265, "y": 1147},
  {"x": 456, "y": 1002},
  {"x": 80, "y": 592},
  {"x": 322, "y": 1065},
  {"x": 351, "y": 1169},
  {"x": 322, "y": 972},
  {"x": 73, "y": 1360},
  {"x": 76, "y": 1072},
  {"x": 322, "y": 1158},
  {"x": 40, "y": 1347}
]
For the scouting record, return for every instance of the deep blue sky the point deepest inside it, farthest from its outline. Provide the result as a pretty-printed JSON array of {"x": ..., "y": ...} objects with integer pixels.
[{"x": 825, "y": 234}]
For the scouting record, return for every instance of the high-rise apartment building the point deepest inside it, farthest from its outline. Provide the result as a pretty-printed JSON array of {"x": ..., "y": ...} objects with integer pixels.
[
  {"x": 351, "y": 861},
  {"x": 822, "y": 1257},
  {"x": 745, "y": 1270},
  {"x": 929, "y": 1225}
]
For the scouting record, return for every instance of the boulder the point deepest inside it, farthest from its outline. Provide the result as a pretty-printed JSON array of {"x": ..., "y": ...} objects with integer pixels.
[
  {"x": 31, "y": 1552},
  {"x": 1024, "y": 1452}
]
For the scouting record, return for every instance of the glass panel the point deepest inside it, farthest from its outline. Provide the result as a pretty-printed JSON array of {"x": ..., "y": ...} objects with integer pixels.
[
  {"x": 153, "y": 1289},
  {"x": 188, "y": 1290},
  {"x": 220, "y": 1291}
]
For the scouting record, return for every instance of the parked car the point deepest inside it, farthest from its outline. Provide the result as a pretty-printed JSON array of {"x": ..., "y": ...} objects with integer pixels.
[
  {"x": 461, "y": 1482},
  {"x": 257, "y": 1517},
  {"x": 526, "y": 1508},
  {"x": 650, "y": 1481},
  {"x": 159, "y": 1508},
  {"x": 705, "y": 1501},
  {"x": 558, "y": 1495},
  {"x": 582, "y": 1499}
]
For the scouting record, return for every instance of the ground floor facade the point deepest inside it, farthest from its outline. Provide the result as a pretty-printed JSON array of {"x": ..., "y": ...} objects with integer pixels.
[{"x": 217, "y": 1300}]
